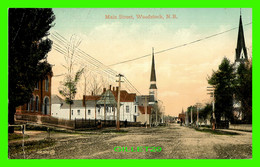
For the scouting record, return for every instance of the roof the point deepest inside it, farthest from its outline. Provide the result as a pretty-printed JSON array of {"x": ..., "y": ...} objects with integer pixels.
[
  {"x": 142, "y": 109},
  {"x": 124, "y": 96},
  {"x": 140, "y": 99},
  {"x": 97, "y": 97},
  {"x": 78, "y": 104},
  {"x": 153, "y": 75},
  {"x": 107, "y": 98},
  {"x": 55, "y": 99},
  {"x": 241, "y": 46}
]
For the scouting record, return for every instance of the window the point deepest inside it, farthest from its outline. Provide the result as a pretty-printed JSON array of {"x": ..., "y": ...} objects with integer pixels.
[
  {"x": 89, "y": 112},
  {"x": 37, "y": 85},
  {"x": 46, "y": 84},
  {"x": 113, "y": 109},
  {"x": 135, "y": 109},
  {"x": 37, "y": 103},
  {"x": 31, "y": 103},
  {"x": 78, "y": 112},
  {"x": 127, "y": 109},
  {"x": 99, "y": 111},
  {"x": 28, "y": 106},
  {"x": 71, "y": 112}
]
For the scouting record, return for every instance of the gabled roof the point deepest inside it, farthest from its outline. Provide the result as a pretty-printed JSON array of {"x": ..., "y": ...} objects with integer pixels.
[
  {"x": 142, "y": 109},
  {"x": 55, "y": 99},
  {"x": 124, "y": 96}
]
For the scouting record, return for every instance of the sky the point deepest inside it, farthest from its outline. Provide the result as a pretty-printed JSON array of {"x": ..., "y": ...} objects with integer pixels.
[{"x": 181, "y": 73}]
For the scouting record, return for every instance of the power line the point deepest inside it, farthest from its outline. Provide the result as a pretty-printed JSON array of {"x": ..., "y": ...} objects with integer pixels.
[
  {"x": 175, "y": 47},
  {"x": 62, "y": 46}
]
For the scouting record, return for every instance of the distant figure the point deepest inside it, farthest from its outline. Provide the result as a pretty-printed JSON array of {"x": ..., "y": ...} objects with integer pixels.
[{"x": 125, "y": 123}]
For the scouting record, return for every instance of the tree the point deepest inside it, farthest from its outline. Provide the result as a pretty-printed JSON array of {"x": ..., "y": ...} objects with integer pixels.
[
  {"x": 243, "y": 91},
  {"x": 205, "y": 111},
  {"x": 224, "y": 82},
  {"x": 28, "y": 48},
  {"x": 68, "y": 87}
]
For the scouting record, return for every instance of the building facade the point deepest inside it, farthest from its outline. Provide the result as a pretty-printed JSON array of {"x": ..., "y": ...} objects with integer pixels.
[{"x": 40, "y": 102}]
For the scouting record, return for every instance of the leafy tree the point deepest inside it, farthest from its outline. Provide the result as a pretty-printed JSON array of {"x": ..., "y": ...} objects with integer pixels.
[
  {"x": 205, "y": 111},
  {"x": 224, "y": 82},
  {"x": 243, "y": 91},
  {"x": 28, "y": 48},
  {"x": 69, "y": 88}
]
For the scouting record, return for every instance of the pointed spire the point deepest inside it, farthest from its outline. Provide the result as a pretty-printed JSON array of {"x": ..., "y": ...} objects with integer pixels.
[
  {"x": 241, "y": 52},
  {"x": 153, "y": 75}
]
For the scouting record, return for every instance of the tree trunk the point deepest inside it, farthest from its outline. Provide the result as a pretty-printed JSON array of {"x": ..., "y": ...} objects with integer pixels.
[{"x": 11, "y": 112}]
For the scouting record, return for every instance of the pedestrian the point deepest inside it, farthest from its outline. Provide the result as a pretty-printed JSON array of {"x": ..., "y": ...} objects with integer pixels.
[{"x": 125, "y": 123}]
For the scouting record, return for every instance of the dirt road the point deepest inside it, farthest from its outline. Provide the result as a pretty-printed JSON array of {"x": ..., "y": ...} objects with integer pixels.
[{"x": 172, "y": 142}]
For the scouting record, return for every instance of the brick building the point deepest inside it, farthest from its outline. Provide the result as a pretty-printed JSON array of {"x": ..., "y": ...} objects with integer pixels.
[{"x": 40, "y": 102}]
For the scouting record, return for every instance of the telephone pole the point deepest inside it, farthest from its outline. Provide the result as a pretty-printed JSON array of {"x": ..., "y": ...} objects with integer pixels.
[
  {"x": 212, "y": 93},
  {"x": 118, "y": 102},
  {"x": 145, "y": 109}
]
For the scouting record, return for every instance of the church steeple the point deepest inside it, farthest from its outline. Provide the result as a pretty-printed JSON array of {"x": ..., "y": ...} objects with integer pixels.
[
  {"x": 241, "y": 52},
  {"x": 153, "y": 87},
  {"x": 153, "y": 75}
]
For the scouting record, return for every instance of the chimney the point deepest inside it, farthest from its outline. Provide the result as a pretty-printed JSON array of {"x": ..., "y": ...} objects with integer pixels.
[
  {"x": 113, "y": 88},
  {"x": 104, "y": 90},
  {"x": 117, "y": 89},
  {"x": 110, "y": 87},
  {"x": 92, "y": 93}
]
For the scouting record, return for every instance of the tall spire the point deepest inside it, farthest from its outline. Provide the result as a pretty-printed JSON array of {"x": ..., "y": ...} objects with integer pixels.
[
  {"x": 241, "y": 52},
  {"x": 153, "y": 75},
  {"x": 153, "y": 87}
]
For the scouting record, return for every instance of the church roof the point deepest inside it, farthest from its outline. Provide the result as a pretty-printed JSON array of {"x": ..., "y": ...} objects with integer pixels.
[
  {"x": 241, "y": 46},
  {"x": 153, "y": 75}
]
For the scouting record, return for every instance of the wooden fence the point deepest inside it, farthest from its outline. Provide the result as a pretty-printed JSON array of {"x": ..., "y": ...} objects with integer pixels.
[{"x": 71, "y": 124}]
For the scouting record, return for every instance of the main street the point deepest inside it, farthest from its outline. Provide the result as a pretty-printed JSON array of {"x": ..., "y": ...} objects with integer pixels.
[{"x": 176, "y": 142}]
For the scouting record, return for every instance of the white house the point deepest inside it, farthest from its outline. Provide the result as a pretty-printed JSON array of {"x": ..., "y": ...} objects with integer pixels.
[{"x": 95, "y": 105}]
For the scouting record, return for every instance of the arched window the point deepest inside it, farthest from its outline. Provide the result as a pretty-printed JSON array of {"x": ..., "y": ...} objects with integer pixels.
[
  {"x": 31, "y": 103},
  {"x": 46, "y": 84},
  {"x": 46, "y": 106},
  {"x": 28, "y": 106},
  {"x": 36, "y": 103}
]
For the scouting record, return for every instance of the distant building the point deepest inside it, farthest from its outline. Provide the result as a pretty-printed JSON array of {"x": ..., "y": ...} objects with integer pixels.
[{"x": 40, "y": 102}]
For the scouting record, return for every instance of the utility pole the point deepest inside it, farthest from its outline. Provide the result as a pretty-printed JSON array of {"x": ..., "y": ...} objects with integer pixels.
[
  {"x": 191, "y": 120},
  {"x": 105, "y": 95},
  {"x": 198, "y": 108},
  {"x": 85, "y": 89},
  {"x": 118, "y": 102},
  {"x": 212, "y": 93},
  {"x": 197, "y": 116},
  {"x": 156, "y": 115},
  {"x": 145, "y": 109}
]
